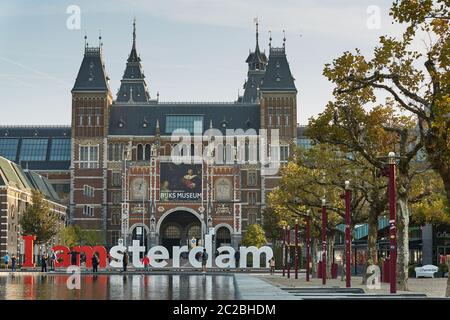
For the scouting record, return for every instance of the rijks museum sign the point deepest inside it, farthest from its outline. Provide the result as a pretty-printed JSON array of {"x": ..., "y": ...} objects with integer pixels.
[{"x": 158, "y": 255}]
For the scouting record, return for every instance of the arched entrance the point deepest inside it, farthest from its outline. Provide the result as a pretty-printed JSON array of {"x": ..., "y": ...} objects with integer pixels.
[
  {"x": 177, "y": 228},
  {"x": 223, "y": 237}
]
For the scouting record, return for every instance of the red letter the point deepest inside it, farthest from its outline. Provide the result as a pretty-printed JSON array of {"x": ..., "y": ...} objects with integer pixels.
[
  {"x": 102, "y": 256},
  {"x": 63, "y": 256},
  {"x": 29, "y": 247}
]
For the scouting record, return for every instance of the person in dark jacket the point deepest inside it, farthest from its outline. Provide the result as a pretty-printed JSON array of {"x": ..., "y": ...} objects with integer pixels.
[
  {"x": 95, "y": 263},
  {"x": 73, "y": 258},
  {"x": 125, "y": 260},
  {"x": 237, "y": 257},
  {"x": 44, "y": 259},
  {"x": 13, "y": 263}
]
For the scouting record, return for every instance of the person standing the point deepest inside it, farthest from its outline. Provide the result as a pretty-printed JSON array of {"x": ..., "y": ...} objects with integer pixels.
[
  {"x": 52, "y": 260},
  {"x": 237, "y": 257},
  {"x": 73, "y": 258},
  {"x": 125, "y": 260},
  {"x": 146, "y": 262},
  {"x": 272, "y": 265},
  {"x": 44, "y": 260},
  {"x": 95, "y": 263},
  {"x": 6, "y": 260},
  {"x": 204, "y": 260},
  {"x": 13, "y": 263}
]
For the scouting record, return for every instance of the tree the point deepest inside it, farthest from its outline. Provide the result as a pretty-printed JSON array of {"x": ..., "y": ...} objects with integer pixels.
[
  {"x": 74, "y": 236},
  {"x": 272, "y": 224},
  {"x": 421, "y": 91},
  {"x": 254, "y": 236},
  {"x": 39, "y": 220}
]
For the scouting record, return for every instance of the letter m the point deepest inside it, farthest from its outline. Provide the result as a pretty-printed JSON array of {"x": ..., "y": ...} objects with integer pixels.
[{"x": 256, "y": 255}]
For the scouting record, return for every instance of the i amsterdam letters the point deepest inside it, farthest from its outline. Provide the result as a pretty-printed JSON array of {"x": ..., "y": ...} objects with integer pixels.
[{"x": 157, "y": 255}]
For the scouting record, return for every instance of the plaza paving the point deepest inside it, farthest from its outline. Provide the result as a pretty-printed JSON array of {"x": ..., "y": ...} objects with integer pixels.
[{"x": 433, "y": 288}]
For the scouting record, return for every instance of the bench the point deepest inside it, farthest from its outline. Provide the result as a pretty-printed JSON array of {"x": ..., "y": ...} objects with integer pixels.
[{"x": 427, "y": 271}]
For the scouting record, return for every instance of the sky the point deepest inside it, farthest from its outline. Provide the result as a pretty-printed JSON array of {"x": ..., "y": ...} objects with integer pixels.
[{"x": 191, "y": 50}]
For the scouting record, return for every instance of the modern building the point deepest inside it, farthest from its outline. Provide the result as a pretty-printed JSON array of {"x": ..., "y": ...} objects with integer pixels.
[{"x": 16, "y": 186}]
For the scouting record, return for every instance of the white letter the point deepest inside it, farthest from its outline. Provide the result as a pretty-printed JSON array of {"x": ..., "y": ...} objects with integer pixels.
[
  {"x": 192, "y": 260},
  {"x": 208, "y": 247},
  {"x": 373, "y": 281},
  {"x": 116, "y": 253},
  {"x": 176, "y": 251},
  {"x": 256, "y": 255},
  {"x": 153, "y": 255},
  {"x": 229, "y": 256},
  {"x": 135, "y": 249},
  {"x": 74, "y": 280}
]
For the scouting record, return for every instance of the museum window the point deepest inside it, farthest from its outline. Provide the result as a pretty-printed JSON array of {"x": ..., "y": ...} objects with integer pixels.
[
  {"x": 116, "y": 197},
  {"x": 172, "y": 232},
  {"x": 115, "y": 219},
  {"x": 60, "y": 150},
  {"x": 33, "y": 150},
  {"x": 8, "y": 148},
  {"x": 116, "y": 179},
  {"x": 191, "y": 123},
  {"x": 252, "y": 198},
  {"x": 88, "y": 191},
  {"x": 284, "y": 154},
  {"x": 147, "y": 152},
  {"x": 251, "y": 218},
  {"x": 251, "y": 178},
  {"x": 88, "y": 210},
  {"x": 140, "y": 152},
  {"x": 115, "y": 236},
  {"x": 88, "y": 157}
]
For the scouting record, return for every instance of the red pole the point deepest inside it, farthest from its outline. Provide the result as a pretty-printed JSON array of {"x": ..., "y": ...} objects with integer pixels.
[
  {"x": 283, "y": 247},
  {"x": 308, "y": 246},
  {"x": 324, "y": 242},
  {"x": 392, "y": 222},
  {"x": 288, "y": 230},
  {"x": 296, "y": 249},
  {"x": 348, "y": 240}
]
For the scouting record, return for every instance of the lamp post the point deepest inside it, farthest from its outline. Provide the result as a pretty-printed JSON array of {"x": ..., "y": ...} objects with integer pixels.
[
  {"x": 296, "y": 248},
  {"x": 288, "y": 256},
  {"x": 324, "y": 242},
  {"x": 392, "y": 222},
  {"x": 347, "y": 235},
  {"x": 283, "y": 248},
  {"x": 308, "y": 244}
]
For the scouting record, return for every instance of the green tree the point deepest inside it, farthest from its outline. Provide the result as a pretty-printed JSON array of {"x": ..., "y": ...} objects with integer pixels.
[
  {"x": 74, "y": 236},
  {"x": 254, "y": 236},
  {"x": 39, "y": 220},
  {"x": 272, "y": 224}
]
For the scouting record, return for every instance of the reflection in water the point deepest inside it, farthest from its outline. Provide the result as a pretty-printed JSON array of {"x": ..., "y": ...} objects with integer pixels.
[{"x": 117, "y": 287}]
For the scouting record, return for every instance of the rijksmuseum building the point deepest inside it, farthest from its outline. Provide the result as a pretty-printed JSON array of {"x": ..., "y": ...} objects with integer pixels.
[{"x": 114, "y": 166}]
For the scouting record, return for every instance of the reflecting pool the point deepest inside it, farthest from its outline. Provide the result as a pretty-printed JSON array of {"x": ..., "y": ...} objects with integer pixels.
[{"x": 117, "y": 287}]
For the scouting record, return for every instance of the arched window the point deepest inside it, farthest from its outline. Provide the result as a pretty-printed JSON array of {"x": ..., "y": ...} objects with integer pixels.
[
  {"x": 219, "y": 154},
  {"x": 116, "y": 152},
  {"x": 228, "y": 157},
  {"x": 148, "y": 151},
  {"x": 194, "y": 232},
  {"x": 140, "y": 152},
  {"x": 172, "y": 232}
]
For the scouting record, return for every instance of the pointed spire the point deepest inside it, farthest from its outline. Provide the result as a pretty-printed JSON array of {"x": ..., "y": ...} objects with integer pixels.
[
  {"x": 100, "y": 44},
  {"x": 134, "y": 32},
  {"x": 133, "y": 54},
  {"x": 85, "y": 40},
  {"x": 270, "y": 39},
  {"x": 284, "y": 39},
  {"x": 257, "y": 33}
]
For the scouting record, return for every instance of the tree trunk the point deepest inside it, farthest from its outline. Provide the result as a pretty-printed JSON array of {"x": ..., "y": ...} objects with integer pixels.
[
  {"x": 330, "y": 254},
  {"x": 402, "y": 240},
  {"x": 372, "y": 252},
  {"x": 313, "y": 257}
]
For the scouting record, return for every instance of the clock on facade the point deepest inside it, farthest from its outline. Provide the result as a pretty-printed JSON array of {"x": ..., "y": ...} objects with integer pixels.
[{"x": 139, "y": 189}]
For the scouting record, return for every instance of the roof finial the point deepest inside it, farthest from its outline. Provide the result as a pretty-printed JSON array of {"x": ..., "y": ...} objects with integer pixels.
[
  {"x": 257, "y": 33},
  {"x": 85, "y": 40},
  {"x": 134, "y": 32},
  {"x": 270, "y": 39},
  {"x": 100, "y": 44},
  {"x": 157, "y": 96},
  {"x": 284, "y": 39}
]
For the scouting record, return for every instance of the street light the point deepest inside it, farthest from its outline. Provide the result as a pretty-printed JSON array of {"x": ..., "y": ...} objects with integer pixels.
[
  {"x": 283, "y": 248},
  {"x": 288, "y": 231},
  {"x": 324, "y": 242},
  {"x": 296, "y": 248},
  {"x": 392, "y": 222},
  {"x": 347, "y": 234},
  {"x": 308, "y": 243}
]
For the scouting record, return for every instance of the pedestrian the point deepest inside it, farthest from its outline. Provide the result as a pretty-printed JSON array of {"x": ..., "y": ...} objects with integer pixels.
[
  {"x": 6, "y": 260},
  {"x": 13, "y": 263},
  {"x": 204, "y": 260},
  {"x": 125, "y": 261},
  {"x": 146, "y": 262},
  {"x": 237, "y": 257},
  {"x": 53, "y": 259},
  {"x": 272, "y": 265},
  {"x": 44, "y": 259},
  {"x": 95, "y": 263},
  {"x": 73, "y": 258}
]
